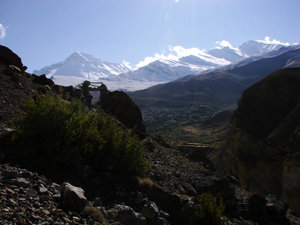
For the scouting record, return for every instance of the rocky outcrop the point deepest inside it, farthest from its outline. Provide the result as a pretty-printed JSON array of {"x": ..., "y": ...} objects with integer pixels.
[
  {"x": 119, "y": 104},
  {"x": 43, "y": 80},
  {"x": 8, "y": 57},
  {"x": 263, "y": 145}
]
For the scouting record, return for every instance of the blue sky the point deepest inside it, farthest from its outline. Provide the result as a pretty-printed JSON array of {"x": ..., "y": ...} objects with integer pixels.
[{"x": 43, "y": 32}]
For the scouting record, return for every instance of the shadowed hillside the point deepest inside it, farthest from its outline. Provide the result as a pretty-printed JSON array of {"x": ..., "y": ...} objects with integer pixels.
[{"x": 263, "y": 144}]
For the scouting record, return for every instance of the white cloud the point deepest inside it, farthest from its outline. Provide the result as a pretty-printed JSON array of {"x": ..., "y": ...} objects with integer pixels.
[
  {"x": 267, "y": 40},
  {"x": 182, "y": 52},
  {"x": 174, "y": 53},
  {"x": 2, "y": 31},
  {"x": 177, "y": 52},
  {"x": 157, "y": 56},
  {"x": 224, "y": 43}
]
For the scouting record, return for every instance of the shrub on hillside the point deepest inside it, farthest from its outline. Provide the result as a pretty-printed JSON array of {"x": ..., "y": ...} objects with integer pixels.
[
  {"x": 209, "y": 211},
  {"x": 55, "y": 134}
]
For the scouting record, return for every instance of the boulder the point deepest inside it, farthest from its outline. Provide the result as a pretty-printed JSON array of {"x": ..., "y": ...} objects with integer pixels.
[
  {"x": 73, "y": 197},
  {"x": 120, "y": 105},
  {"x": 150, "y": 210},
  {"x": 127, "y": 216},
  {"x": 169, "y": 202}
]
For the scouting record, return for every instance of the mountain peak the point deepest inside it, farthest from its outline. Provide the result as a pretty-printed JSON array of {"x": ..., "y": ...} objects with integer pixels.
[
  {"x": 84, "y": 65},
  {"x": 77, "y": 55}
]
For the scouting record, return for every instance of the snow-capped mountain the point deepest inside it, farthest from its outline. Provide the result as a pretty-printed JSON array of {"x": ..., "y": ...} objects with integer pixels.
[
  {"x": 161, "y": 68},
  {"x": 247, "y": 49},
  {"x": 228, "y": 53},
  {"x": 161, "y": 71},
  {"x": 171, "y": 69},
  {"x": 83, "y": 65},
  {"x": 168, "y": 70},
  {"x": 251, "y": 48}
]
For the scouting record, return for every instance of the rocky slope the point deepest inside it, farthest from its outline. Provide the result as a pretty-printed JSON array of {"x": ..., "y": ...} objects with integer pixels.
[{"x": 263, "y": 145}]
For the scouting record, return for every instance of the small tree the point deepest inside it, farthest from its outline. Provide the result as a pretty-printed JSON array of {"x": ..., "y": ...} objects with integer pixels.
[
  {"x": 87, "y": 97},
  {"x": 85, "y": 88}
]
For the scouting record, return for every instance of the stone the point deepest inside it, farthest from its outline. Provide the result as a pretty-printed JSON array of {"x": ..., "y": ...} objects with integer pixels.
[
  {"x": 46, "y": 212},
  {"x": 163, "y": 214},
  {"x": 158, "y": 221},
  {"x": 127, "y": 216},
  {"x": 75, "y": 218},
  {"x": 10, "y": 191},
  {"x": 150, "y": 210},
  {"x": 43, "y": 190},
  {"x": 21, "y": 182},
  {"x": 167, "y": 201},
  {"x": 190, "y": 190},
  {"x": 73, "y": 197}
]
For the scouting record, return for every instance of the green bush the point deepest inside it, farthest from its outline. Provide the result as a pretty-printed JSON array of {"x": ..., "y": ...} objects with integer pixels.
[
  {"x": 55, "y": 134},
  {"x": 209, "y": 212}
]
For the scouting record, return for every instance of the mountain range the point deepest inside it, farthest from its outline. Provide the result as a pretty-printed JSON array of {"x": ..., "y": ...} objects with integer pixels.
[
  {"x": 208, "y": 86},
  {"x": 80, "y": 66}
]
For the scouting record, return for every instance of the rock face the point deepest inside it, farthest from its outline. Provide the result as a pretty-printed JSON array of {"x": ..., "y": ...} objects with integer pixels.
[
  {"x": 8, "y": 57},
  {"x": 119, "y": 104},
  {"x": 263, "y": 145}
]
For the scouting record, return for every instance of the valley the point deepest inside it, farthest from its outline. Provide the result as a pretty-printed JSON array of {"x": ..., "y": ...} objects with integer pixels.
[{"x": 191, "y": 125}]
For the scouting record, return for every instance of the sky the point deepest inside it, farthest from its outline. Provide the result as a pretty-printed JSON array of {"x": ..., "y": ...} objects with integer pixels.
[{"x": 44, "y": 32}]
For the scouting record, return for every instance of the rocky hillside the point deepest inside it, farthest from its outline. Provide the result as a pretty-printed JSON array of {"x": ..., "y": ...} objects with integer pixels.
[{"x": 263, "y": 145}]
